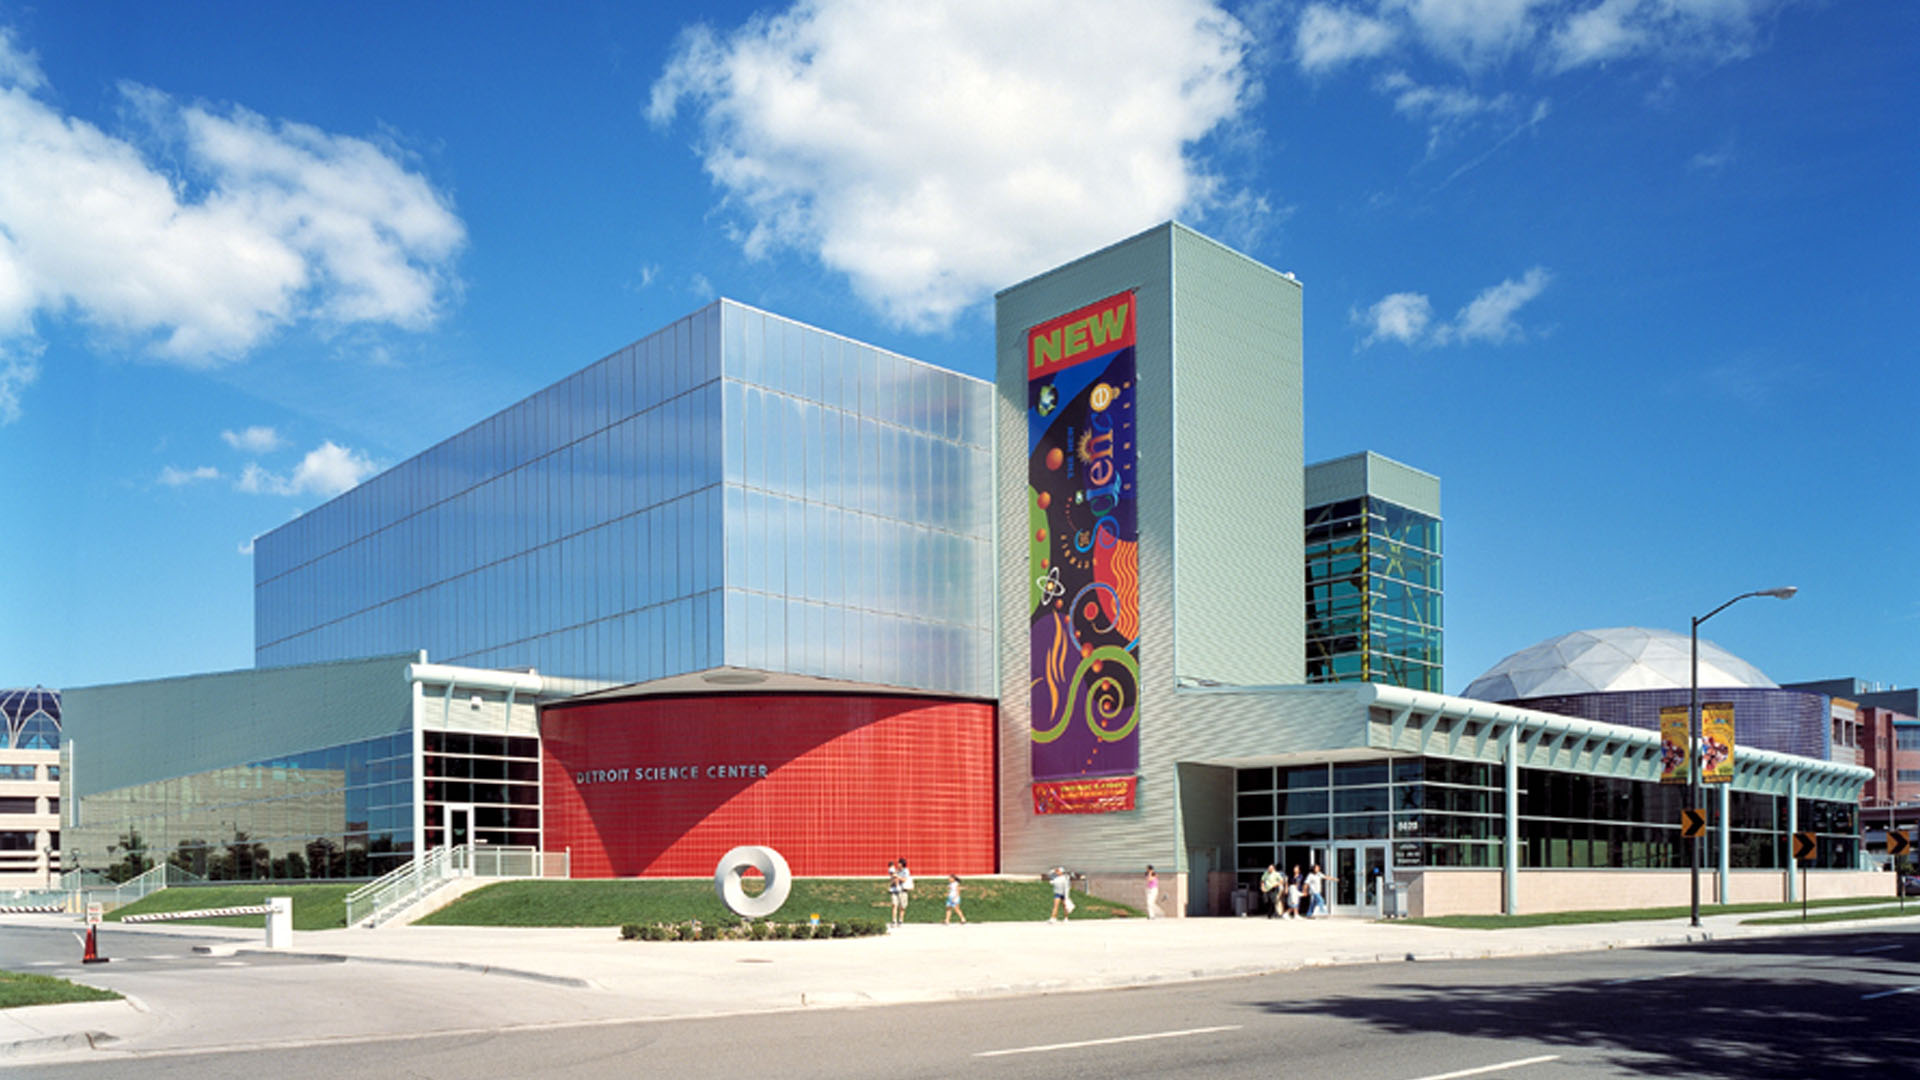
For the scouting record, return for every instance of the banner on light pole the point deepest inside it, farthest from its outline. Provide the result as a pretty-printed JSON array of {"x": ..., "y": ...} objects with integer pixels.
[
  {"x": 1673, "y": 744},
  {"x": 1716, "y": 742}
]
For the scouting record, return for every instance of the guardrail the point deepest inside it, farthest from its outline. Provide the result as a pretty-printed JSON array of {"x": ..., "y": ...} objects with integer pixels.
[{"x": 126, "y": 892}]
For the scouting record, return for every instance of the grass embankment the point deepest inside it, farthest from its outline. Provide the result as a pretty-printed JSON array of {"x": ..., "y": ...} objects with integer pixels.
[
  {"x": 614, "y": 903},
  {"x": 1569, "y": 918},
  {"x": 315, "y": 907},
  {"x": 17, "y": 989}
]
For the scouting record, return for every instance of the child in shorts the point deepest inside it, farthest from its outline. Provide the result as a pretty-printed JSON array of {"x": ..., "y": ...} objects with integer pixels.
[{"x": 953, "y": 899}]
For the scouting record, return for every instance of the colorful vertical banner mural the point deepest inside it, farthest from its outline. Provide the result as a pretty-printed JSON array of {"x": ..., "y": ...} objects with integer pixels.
[
  {"x": 1673, "y": 744},
  {"x": 1083, "y": 561},
  {"x": 1716, "y": 742}
]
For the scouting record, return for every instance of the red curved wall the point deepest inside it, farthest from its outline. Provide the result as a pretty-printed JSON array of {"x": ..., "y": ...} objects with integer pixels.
[{"x": 642, "y": 787}]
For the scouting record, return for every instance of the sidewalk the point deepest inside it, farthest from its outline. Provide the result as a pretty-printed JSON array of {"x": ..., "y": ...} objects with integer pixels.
[{"x": 589, "y": 975}]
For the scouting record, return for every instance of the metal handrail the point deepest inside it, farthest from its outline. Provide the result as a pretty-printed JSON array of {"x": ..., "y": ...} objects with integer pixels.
[
  {"x": 384, "y": 894},
  {"x": 377, "y": 901}
]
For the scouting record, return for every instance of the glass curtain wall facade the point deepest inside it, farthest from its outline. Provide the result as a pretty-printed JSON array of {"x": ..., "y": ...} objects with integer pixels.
[
  {"x": 1374, "y": 594},
  {"x": 1440, "y": 813},
  {"x": 736, "y": 489},
  {"x": 857, "y": 511},
  {"x": 341, "y": 811}
]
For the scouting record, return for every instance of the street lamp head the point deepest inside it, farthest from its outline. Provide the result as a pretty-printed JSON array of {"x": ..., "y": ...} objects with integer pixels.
[{"x": 1785, "y": 592}]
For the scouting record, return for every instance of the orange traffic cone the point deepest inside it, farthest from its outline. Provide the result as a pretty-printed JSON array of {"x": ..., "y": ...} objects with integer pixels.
[{"x": 92, "y": 955}]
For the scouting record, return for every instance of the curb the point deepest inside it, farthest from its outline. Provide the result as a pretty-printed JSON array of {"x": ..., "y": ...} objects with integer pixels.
[
  {"x": 449, "y": 965},
  {"x": 53, "y": 1044}
]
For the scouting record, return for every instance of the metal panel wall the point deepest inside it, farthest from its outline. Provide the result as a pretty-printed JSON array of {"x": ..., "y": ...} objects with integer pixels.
[
  {"x": 1238, "y": 485},
  {"x": 1263, "y": 643}
]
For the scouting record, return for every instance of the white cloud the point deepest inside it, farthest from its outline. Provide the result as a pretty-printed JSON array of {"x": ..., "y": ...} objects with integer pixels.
[
  {"x": 1328, "y": 37},
  {"x": 258, "y": 439},
  {"x": 1714, "y": 30},
  {"x": 1489, "y": 316},
  {"x": 19, "y": 367},
  {"x": 173, "y": 477},
  {"x": 326, "y": 471},
  {"x": 1473, "y": 33},
  {"x": 1444, "y": 109},
  {"x": 1021, "y": 136},
  {"x": 1713, "y": 161},
  {"x": 266, "y": 224},
  {"x": 18, "y": 68},
  {"x": 1407, "y": 317},
  {"x": 1551, "y": 35},
  {"x": 1401, "y": 317}
]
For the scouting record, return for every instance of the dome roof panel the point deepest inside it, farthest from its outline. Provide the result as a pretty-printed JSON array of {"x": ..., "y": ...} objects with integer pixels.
[{"x": 1619, "y": 658}]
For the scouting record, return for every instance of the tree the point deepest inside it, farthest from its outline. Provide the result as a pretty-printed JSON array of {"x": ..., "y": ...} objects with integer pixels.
[{"x": 133, "y": 862}]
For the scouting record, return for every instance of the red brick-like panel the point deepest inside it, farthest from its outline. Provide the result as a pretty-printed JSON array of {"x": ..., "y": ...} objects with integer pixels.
[{"x": 837, "y": 784}]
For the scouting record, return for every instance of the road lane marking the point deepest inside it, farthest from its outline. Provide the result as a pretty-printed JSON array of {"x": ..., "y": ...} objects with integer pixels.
[
  {"x": 1644, "y": 978},
  {"x": 1104, "y": 1042},
  {"x": 1520, "y": 1063},
  {"x": 1876, "y": 948},
  {"x": 1889, "y": 993}
]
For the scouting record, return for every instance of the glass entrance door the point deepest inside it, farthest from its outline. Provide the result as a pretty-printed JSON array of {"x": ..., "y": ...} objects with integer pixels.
[{"x": 1359, "y": 879}]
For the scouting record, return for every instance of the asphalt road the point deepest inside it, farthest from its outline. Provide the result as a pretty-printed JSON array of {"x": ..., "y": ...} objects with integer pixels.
[{"x": 1827, "y": 1006}]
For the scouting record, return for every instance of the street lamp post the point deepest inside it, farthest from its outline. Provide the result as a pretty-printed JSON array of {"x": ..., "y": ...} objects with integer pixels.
[{"x": 1693, "y": 732}]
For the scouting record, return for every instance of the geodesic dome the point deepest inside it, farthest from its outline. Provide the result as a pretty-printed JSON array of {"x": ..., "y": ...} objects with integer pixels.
[{"x": 1620, "y": 658}]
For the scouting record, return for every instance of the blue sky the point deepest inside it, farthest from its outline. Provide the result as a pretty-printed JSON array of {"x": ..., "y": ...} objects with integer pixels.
[{"x": 1636, "y": 278}]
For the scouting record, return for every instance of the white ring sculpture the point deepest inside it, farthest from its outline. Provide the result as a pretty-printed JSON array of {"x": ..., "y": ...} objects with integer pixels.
[{"x": 726, "y": 881}]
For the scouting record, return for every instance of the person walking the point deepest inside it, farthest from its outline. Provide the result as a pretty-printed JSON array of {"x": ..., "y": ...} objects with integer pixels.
[
  {"x": 1293, "y": 894},
  {"x": 906, "y": 892},
  {"x": 1270, "y": 891},
  {"x": 953, "y": 900},
  {"x": 1062, "y": 903},
  {"x": 1316, "y": 884},
  {"x": 1153, "y": 894}
]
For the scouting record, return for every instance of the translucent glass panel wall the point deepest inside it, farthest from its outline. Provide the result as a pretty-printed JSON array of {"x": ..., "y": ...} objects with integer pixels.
[
  {"x": 857, "y": 511},
  {"x": 342, "y": 811},
  {"x": 1374, "y": 599},
  {"x": 577, "y": 532}
]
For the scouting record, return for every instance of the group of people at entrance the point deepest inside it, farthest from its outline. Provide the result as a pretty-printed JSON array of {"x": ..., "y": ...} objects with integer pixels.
[{"x": 1294, "y": 895}]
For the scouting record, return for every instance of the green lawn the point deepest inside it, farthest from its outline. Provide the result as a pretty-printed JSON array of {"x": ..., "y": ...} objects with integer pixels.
[
  {"x": 1566, "y": 918},
  {"x": 1881, "y": 909},
  {"x": 17, "y": 989},
  {"x": 614, "y": 903},
  {"x": 315, "y": 907}
]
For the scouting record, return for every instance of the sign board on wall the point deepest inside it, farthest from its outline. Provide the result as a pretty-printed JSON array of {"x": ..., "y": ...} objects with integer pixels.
[{"x": 1083, "y": 561}]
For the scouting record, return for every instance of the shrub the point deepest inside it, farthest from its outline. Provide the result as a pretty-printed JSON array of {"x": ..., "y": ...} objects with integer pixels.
[
  {"x": 709, "y": 933},
  {"x": 758, "y": 931},
  {"x": 841, "y": 929},
  {"x": 629, "y": 932}
]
